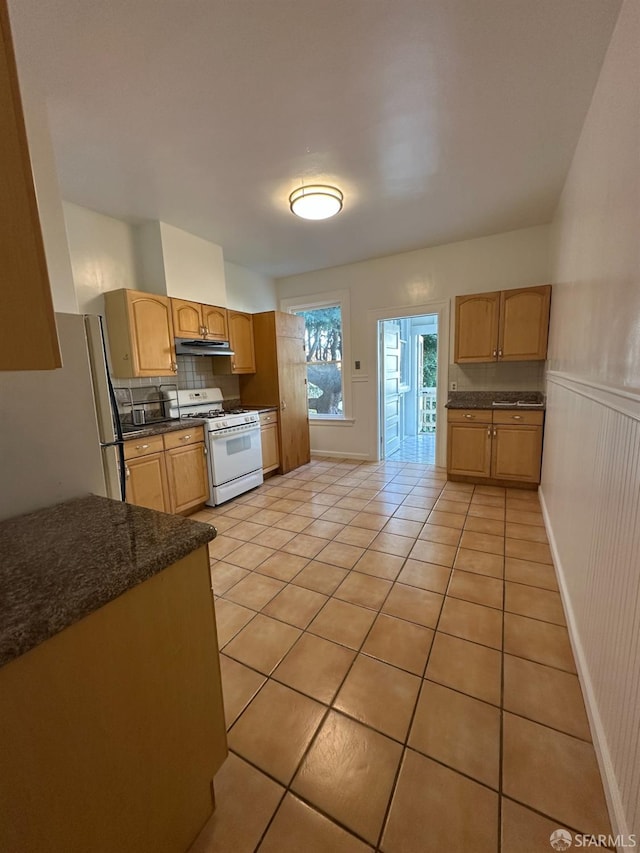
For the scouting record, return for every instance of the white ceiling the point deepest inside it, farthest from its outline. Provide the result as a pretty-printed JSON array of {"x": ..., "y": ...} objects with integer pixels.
[{"x": 439, "y": 119}]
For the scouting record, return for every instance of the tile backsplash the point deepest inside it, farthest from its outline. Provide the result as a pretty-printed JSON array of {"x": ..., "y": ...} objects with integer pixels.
[
  {"x": 502, "y": 376},
  {"x": 193, "y": 372}
]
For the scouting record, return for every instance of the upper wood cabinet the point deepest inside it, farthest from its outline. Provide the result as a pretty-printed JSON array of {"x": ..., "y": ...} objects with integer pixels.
[
  {"x": 241, "y": 339},
  {"x": 508, "y": 325},
  {"x": 215, "y": 323},
  {"x": 196, "y": 320},
  {"x": 27, "y": 306},
  {"x": 141, "y": 335}
]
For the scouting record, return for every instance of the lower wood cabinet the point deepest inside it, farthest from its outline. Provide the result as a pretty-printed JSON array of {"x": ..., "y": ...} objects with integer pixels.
[
  {"x": 270, "y": 444},
  {"x": 168, "y": 473},
  {"x": 495, "y": 445}
]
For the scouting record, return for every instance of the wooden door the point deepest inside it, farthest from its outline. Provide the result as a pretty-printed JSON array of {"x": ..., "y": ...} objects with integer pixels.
[
  {"x": 270, "y": 451},
  {"x": 151, "y": 330},
  {"x": 392, "y": 402},
  {"x": 147, "y": 482},
  {"x": 187, "y": 318},
  {"x": 214, "y": 320},
  {"x": 524, "y": 323},
  {"x": 294, "y": 412},
  {"x": 187, "y": 477},
  {"x": 477, "y": 317},
  {"x": 28, "y": 337},
  {"x": 469, "y": 449},
  {"x": 516, "y": 453},
  {"x": 241, "y": 340}
]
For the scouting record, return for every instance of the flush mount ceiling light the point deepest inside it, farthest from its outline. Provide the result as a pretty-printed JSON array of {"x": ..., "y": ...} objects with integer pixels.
[{"x": 316, "y": 201}]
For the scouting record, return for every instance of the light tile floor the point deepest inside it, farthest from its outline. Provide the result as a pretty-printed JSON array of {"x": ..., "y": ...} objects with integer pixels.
[
  {"x": 396, "y": 669},
  {"x": 416, "y": 448}
]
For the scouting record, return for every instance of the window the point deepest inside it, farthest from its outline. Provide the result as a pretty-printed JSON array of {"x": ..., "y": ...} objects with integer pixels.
[
  {"x": 326, "y": 319},
  {"x": 323, "y": 345}
]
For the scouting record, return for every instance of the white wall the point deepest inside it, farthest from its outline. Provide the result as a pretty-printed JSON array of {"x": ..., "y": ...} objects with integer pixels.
[
  {"x": 179, "y": 264},
  {"x": 102, "y": 253},
  {"x": 248, "y": 290},
  {"x": 45, "y": 179},
  {"x": 503, "y": 261},
  {"x": 106, "y": 255},
  {"x": 591, "y": 467}
]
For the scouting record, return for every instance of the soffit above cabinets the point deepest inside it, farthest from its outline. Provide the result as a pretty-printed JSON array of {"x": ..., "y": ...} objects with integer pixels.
[{"x": 439, "y": 120}]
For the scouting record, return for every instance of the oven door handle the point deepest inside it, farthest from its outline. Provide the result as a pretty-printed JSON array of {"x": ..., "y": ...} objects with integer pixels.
[{"x": 223, "y": 433}]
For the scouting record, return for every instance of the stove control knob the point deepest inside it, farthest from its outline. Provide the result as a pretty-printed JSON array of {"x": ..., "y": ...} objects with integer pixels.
[{"x": 248, "y": 420}]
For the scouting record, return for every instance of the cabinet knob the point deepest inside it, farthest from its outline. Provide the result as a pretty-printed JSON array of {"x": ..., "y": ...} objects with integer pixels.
[
  {"x": 517, "y": 417},
  {"x": 471, "y": 417},
  {"x": 127, "y": 472},
  {"x": 185, "y": 438},
  {"x": 495, "y": 432},
  {"x": 499, "y": 353},
  {"x": 283, "y": 405},
  {"x": 489, "y": 433},
  {"x": 174, "y": 366},
  {"x": 495, "y": 353},
  {"x": 141, "y": 446}
]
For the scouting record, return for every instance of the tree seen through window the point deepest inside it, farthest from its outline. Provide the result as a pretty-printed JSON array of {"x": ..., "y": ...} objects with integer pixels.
[{"x": 323, "y": 344}]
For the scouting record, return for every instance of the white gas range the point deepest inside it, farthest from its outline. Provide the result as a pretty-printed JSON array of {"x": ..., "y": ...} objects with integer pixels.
[{"x": 234, "y": 450}]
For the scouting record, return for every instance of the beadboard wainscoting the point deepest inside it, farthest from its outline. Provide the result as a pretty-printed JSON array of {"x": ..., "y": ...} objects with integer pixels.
[{"x": 590, "y": 496}]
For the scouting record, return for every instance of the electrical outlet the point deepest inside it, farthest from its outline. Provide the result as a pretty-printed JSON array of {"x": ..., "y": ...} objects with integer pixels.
[{"x": 453, "y": 386}]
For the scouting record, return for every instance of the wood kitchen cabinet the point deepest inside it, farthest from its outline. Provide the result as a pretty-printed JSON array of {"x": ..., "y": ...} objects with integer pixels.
[
  {"x": 508, "y": 325},
  {"x": 242, "y": 343},
  {"x": 140, "y": 328},
  {"x": 186, "y": 469},
  {"x": 197, "y": 320},
  {"x": 280, "y": 380},
  {"x": 113, "y": 729},
  {"x": 270, "y": 443},
  {"x": 167, "y": 473},
  {"x": 27, "y": 305},
  {"x": 145, "y": 473},
  {"x": 494, "y": 446}
]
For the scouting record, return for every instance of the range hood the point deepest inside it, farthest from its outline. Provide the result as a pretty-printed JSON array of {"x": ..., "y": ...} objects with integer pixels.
[{"x": 196, "y": 346}]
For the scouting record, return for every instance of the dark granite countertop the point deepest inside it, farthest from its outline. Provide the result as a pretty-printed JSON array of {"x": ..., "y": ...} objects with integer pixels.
[
  {"x": 487, "y": 399},
  {"x": 161, "y": 428},
  {"x": 61, "y": 563}
]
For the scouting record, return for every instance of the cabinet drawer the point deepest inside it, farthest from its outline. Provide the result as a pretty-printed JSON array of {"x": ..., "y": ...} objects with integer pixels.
[
  {"x": 268, "y": 418},
  {"x": 182, "y": 437},
  {"x": 477, "y": 416},
  {"x": 527, "y": 418},
  {"x": 143, "y": 446}
]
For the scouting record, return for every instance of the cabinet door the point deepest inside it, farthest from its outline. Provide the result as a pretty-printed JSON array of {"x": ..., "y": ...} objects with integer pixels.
[
  {"x": 147, "y": 482},
  {"x": 187, "y": 318},
  {"x": 294, "y": 412},
  {"x": 214, "y": 320},
  {"x": 152, "y": 334},
  {"x": 524, "y": 324},
  {"x": 187, "y": 476},
  {"x": 241, "y": 340},
  {"x": 477, "y": 318},
  {"x": 469, "y": 449},
  {"x": 28, "y": 337},
  {"x": 516, "y": 453},
  {"x": 270, "y": 450}
]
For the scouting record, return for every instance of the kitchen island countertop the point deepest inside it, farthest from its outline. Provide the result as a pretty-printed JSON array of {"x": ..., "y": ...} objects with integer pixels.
[{"x": 64, "y": 562}]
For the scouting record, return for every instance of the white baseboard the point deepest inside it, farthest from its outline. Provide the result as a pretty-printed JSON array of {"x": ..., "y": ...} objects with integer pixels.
[
  {"x": 610, "y": 783},
  {"x": 339, "y": 454}
]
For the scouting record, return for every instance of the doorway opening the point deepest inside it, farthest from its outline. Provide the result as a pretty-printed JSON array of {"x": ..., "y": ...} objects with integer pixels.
[{"x": 409, "y": 383}]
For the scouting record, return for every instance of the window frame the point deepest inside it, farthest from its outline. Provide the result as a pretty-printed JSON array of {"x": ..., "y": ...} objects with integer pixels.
[{"x": 339, "y": 298}]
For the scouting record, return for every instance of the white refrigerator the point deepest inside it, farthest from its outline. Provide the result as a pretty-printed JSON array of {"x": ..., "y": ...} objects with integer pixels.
[{"x": 60, "y": 435}]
